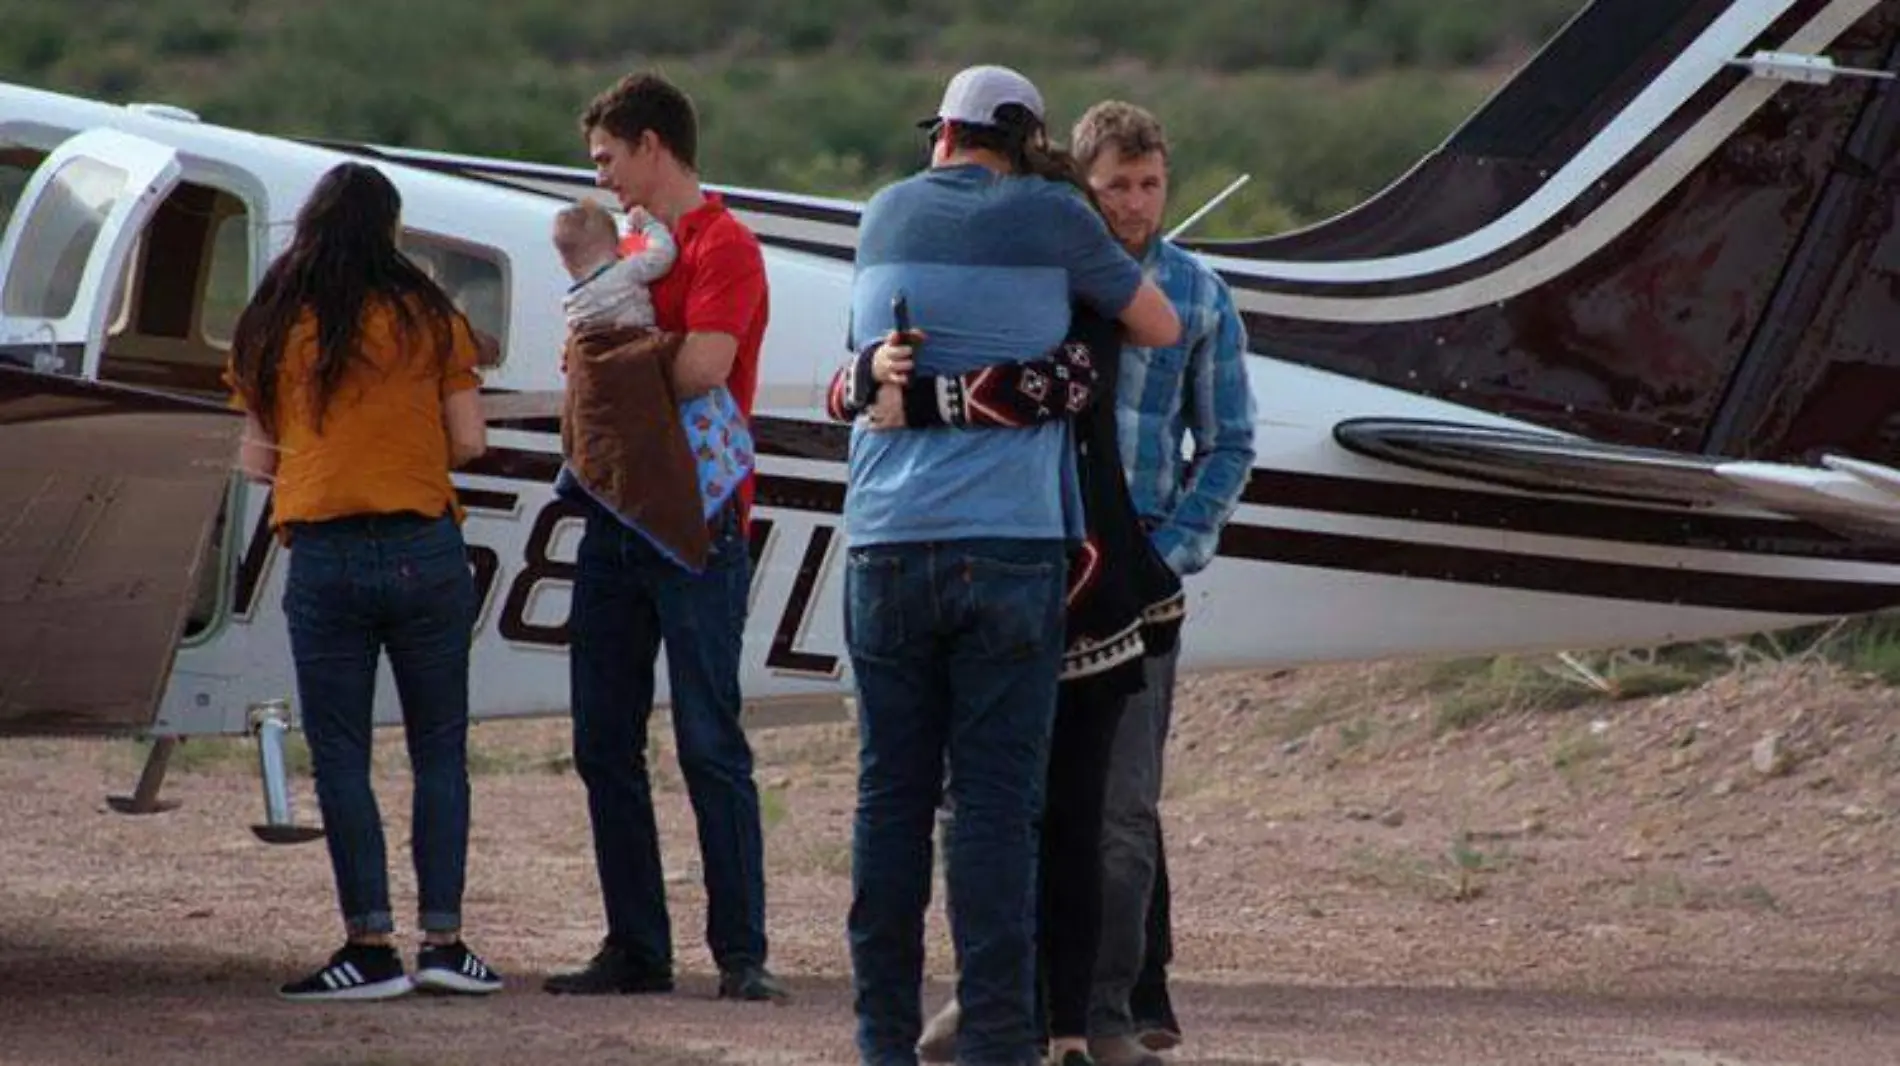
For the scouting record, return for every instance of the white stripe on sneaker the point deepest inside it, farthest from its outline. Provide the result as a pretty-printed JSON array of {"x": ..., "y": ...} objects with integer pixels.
[{"x": 468, "y": 974}]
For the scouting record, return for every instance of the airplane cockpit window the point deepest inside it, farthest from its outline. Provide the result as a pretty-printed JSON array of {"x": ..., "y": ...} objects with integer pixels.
[
  {"x": 61, "y": 233},
  {"x": 16, "y": 169},
  {"x": 473, "y": 277}
]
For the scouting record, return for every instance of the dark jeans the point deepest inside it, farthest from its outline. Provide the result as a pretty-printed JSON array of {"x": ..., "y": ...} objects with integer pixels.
[
  {"x": 358, "y": 587},
  {"x": 1070, "y": 924},
  {"x": 628, "y": 599},
  {"x": 1149, "y": 1004},
  {"x": 955, "y": 649}
]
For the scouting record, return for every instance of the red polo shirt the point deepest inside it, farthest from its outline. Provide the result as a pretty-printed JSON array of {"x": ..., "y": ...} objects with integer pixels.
[{"x": 717, "y": 285}]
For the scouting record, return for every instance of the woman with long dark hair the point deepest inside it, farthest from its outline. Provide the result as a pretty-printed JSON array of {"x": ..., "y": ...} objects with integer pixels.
[{"x": 358, "y": 378}]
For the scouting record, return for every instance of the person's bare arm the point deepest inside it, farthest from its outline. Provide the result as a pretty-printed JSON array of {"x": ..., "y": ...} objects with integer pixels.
[
  {"x": 257, "y": 453},
  {"x": 468, "y": 433},
  {"x": 704, "y": 363},
  {"x": 1150, "y": 318}
]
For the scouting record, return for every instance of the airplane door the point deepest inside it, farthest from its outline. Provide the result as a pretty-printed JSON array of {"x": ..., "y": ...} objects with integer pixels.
[
  {"x": 108, "y": 494},
  {"x": 67, "y": 244}
]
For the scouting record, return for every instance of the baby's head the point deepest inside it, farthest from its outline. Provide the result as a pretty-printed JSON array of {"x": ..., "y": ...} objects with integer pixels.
[{"x": 586, "y": 237}]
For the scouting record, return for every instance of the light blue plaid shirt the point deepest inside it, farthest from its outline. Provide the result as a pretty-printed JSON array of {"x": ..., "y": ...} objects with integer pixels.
[{"x": 1199, "y": 388}]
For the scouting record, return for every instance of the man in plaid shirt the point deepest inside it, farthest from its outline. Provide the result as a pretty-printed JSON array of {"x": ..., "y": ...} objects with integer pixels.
[{"x": 1193, "y": 391}]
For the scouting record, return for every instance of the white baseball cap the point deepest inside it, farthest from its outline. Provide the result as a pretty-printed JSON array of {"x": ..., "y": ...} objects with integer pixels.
[{"x": 977, "y": 93}]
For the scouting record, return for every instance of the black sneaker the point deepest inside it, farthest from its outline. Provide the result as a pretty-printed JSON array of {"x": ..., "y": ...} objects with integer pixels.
[
  {"x": 612, "y": 972},
  {"x": 751, "y": 982},
  {"x": 355, "y": 972},
  {"x": 454, "y": 968}
]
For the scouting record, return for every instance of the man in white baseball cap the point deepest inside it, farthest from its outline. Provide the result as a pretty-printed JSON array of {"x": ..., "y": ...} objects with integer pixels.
[
  {"x": 977, "y": 96},
  {"x": 957, "y": 549}
]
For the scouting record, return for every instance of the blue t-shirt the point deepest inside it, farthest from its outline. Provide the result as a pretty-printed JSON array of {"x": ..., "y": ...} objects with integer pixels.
[{"x": 988, "y": 264}]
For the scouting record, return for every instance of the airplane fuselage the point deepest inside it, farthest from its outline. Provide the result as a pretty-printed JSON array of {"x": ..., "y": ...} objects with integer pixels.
[{"x": 1333, "y": 555}]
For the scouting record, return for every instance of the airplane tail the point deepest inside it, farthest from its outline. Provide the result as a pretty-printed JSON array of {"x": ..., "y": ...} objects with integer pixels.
[{"x": 1674, "y": 229}]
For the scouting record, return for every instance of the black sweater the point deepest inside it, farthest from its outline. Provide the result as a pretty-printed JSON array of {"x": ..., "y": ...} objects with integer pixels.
[{"x": 1123, "y": 601}]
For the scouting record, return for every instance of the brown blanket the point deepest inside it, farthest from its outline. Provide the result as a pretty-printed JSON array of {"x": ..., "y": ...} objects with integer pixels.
[{"x": 622, "y": 437}]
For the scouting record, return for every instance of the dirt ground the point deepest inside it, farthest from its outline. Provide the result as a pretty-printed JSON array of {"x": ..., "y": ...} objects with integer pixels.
[{"x": 1707, "y": 879}]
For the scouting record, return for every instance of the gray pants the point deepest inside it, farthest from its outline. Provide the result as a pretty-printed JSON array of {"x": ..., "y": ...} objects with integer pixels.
[{"x": 1131, "y": 846}]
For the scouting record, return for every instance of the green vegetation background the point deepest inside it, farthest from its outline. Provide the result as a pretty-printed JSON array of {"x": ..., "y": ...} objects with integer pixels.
[{"x": 1322, "y": 101}]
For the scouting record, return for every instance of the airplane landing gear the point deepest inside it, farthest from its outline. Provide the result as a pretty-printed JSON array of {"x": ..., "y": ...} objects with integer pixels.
[
  {"x": 144, "y": 798},
  {"x": 270, "y": 720}
]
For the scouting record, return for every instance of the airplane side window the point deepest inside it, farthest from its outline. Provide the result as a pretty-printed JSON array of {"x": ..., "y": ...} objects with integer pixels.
[
  {"x": 474, "y": 279},
  {"x": 228, "y": 284}
]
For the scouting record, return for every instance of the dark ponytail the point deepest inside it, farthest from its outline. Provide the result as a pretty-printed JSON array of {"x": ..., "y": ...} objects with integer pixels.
[{"x": 1018, "y": 136}]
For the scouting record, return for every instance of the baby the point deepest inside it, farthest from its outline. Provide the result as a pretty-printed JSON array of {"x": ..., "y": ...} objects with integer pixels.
[
  {"x": 609, "y": 290},
  {"x": 612, "y": 291}
]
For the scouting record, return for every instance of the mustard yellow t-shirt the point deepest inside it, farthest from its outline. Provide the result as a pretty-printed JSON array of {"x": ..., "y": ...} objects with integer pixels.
[{"x": 384, "y": 445}]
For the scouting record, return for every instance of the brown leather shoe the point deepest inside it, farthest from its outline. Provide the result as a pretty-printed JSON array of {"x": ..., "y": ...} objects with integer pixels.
[
  {"x": 939, "y": 1042},
  {"x": 1121, "y": 1051},
  {"x": 1158, "y": 1038}
]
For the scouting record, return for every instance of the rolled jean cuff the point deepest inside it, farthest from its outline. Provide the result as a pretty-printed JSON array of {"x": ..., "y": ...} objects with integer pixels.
[
  {"x": 439, "y": 921},
  {"x": 374, "y": 922}
]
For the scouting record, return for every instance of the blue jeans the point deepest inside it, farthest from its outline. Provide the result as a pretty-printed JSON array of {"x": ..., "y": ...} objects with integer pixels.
[
  {"x": 358, "y": 587},
  {"x": 628, "y": 599},
  {"x": 956, "y": 649}
]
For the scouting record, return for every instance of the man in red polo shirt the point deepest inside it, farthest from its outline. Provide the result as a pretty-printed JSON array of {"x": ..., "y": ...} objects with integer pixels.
[{"x": 629, "y": 599}]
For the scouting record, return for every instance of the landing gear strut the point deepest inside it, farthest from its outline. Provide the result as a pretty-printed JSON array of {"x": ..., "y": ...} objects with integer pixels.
[
  {"x": 270, "y": 721},
  {"x": 144, "y": 799}
]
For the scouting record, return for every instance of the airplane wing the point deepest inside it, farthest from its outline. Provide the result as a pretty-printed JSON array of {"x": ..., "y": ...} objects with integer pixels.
[
  {"x": 1852, "y": 497},
  {"x": 108, "y": 499}
]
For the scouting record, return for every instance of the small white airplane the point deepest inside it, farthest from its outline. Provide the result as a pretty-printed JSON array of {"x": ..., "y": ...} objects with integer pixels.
[{"x": 1614, "y": 366}]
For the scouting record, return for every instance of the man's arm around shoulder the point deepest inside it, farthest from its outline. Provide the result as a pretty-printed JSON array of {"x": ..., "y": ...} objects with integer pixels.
[
  {"x": 1150, "y": 318},
  {"x": 1101, "y": 271}
]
